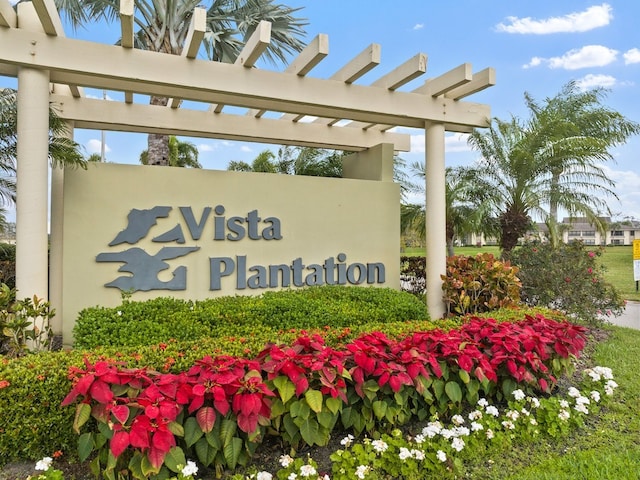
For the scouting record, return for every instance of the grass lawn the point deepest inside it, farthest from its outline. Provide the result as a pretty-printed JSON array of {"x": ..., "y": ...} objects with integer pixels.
[
  {"x": 618, "y": 262},
  {"x": 608, "y": 447}
]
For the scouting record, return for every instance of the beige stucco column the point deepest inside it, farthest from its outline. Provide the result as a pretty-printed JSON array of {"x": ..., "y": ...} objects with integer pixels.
[
  {"x": 436, "y": 240},
  {"x": 56, "y": 238},
  {"x": 32, "y": 183}
]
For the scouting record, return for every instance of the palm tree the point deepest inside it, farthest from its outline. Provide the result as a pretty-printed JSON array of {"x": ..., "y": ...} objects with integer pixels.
[
  {"x": 466, "y": 209},
  {"x": 575, "y": 133},
  {"x": 163, "y": 26},
  {"x": 532, "y": 169},
  {"x": 63, "y": 152},
  {"x": 309, "y": 161},
  {"x": 181, "y": 154}
]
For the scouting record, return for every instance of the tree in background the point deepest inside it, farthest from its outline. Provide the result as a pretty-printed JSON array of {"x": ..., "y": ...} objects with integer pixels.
[
  {"x": 181, "y": 154},
  {"x": 63, "y": 152},
  {"x": 466, "y": 211},
  {"x": 309, "y": 161},
  {"x": 552, "y": 161},
  {"x": 163, "y": 26},
  {"x": 575, "y": 133}
]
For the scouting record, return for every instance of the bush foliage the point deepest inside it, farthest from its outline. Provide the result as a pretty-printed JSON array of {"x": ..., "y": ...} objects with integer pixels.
[
  {"x": 161, "y": 319},
  {"x": 479, "y": 284},
  {"x": 567, "y": 278}
]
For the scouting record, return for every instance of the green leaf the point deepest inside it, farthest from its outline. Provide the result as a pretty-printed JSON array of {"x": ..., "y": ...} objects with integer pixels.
[
  {"x": 453, "y": 391},
  {"x": 309, "y": 430},
  {"x": 346, "y": 417},
  {"x": 83, "y": 413},
  {"x": 192, "y": 431},
  {"x": 135, "y": 466},
  {"x": 175, "y": 459},
  {"x": 314, "y": 399},
  {"x": 85, "y": 446},
  {"x": 105, "y": 430},
  {"x": 176, "y": 429},
  {"x": 231, "y": 452},
  {"x": 379, "y": 409},
  {"x": 300, "y": 409},
  {"x": 464, "y": 376},
  {"x": 333, "y": 404},
  {"x": 205, "y": 452},
  {"x": 286, "y": 388},
  {"x": 147, "y": 468},
  {"x": 327, "y": 420},
  {"x": 290, "y": 427},
  {"x": 94, "y": 466},
  {"x": 438, "y": 389},
  {"x": 227, "y": 431},
  {"x": 277, "y": 408}
]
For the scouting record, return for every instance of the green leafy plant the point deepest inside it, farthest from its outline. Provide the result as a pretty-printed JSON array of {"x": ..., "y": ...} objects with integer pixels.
[
  {"x": 25, "y": 323},
  {"x": 568, "y": 278},
  {"x": 479, "y": 284}
]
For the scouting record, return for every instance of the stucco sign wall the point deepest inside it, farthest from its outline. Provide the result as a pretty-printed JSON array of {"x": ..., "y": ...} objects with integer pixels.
[{"x": 194, "y": 234}]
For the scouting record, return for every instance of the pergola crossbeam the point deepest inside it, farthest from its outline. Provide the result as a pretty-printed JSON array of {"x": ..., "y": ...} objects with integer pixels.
[
  {"x": 99, "y": 115},
  {"x": 197, "y": 28},
  {"x": 110, "y": 67},
  {"x": 483, "y": 79},
  {"x": 312, "y": 54},
  {"x": 49, "y": 18},
  {"x": 447, "y": 81},
  {"x": 409, "y": 70},
  {"x": 255, "y": 46},
  {"x": 360, "y": 65},
  {"x": 126, "y": 23},
  {"x": 8, "y": 17}
]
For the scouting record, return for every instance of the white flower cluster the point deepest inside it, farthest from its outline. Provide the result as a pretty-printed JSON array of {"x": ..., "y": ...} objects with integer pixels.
[
  {"x": 190, "y": 469},
  {"x": 405, "y": 453},
  {"x": 44, "y": 464}
]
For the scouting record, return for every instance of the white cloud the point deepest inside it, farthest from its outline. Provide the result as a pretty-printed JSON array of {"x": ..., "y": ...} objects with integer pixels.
[
  {"x": 246, "y": 149},
  {"x": 95, "y": 145},
  {"x": 535, "y": 62},
  {"x": 205, "y": 147},
  {"x": 632, "y": 56},
  {"x": 628, "y": 190},
  {"x": 456, "y": 142},
  {"x": 591, "y": 81},
  {"x": 589, "y": 56},
  {"x": 418, "y": 26},
  {"x": 592, "y": 17},
  {"x": 586, "y": 57}
]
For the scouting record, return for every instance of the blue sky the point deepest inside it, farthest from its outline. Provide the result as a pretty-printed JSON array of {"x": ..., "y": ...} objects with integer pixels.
[{"x": 535, "y": 47}]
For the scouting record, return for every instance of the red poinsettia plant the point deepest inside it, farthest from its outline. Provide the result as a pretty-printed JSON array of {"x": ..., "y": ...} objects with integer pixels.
[{"x": 218, "y": 410}]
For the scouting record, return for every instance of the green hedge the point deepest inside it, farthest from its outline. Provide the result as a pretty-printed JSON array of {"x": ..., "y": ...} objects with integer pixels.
[{"x": 162, "y": 319}]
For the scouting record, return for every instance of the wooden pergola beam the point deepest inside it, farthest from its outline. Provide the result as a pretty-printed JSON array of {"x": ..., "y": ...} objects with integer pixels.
[
  {"x": 409, "y": 70},
  {"x": 126, "y": 23},
  {"x": 142, "y": 118},
  {"x": 358, "y": 66},
  {"x": 483, "y": 79},
  {"x": 111, "y": 67},
  {"x": 255, "y": 46},
  {"x": 312, "y": 54},
  {"x": 195, "y": 34},
  {"x": 8, "y": 16}
]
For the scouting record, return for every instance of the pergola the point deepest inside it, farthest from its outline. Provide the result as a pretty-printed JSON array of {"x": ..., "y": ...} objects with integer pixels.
[{"x": 350, "y": 116}]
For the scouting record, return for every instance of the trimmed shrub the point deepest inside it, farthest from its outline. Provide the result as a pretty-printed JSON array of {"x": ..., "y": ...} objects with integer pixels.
[
  {"x": 479, "y": 284},
  {"x": 161, "y": 319}
]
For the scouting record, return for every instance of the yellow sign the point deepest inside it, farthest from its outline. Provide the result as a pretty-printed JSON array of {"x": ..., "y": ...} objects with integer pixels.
[{"x": 636, "y": 249}]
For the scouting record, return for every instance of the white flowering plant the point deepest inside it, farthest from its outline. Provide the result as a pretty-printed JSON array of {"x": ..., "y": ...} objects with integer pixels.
[{"x": 48, "y": 473}]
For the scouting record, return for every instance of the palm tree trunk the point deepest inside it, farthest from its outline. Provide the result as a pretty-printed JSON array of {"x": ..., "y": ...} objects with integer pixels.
[{"x": 158, "y": 144}]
